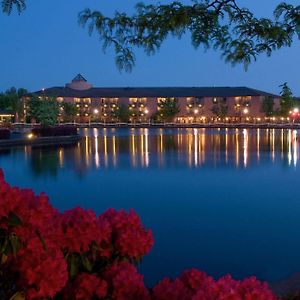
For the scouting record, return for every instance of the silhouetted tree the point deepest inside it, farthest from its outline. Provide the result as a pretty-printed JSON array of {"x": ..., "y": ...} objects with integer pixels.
[
  {"x": 267, "y": 106},
  {"x": 69, "y": 111},
  {"x": 168, "y": 108},
  {"x": 44, "y": 110},
  {"x": 12, "y": 101},
  {"x": 223, "y": 25},
  {"x": 220, "y": 107},
  {"x": 123, "y": 113},
  {"x": 286, "y": 101}
]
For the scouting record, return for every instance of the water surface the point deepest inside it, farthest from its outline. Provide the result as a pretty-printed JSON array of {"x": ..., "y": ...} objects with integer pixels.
[{"x": 224, "y": 201}]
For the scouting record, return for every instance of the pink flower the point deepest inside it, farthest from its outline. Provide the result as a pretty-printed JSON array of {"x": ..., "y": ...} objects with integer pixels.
[
  {"x": 125, "y": 282},
  {"x": 86, "y": 287},
  {"x": 42, "y": 271},
  {"x": 130, "y": 239},
  {"x": 167, "y": 289},
  {"x": 79, "y": 229}
]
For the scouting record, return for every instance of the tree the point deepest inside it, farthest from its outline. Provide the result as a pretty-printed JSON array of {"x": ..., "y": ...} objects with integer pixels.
[
  {"x": 223, "y": 25},
  {"x": 267, "y": 106},
  {"x": 220, "y": 107},
  {"x": 43, "y": 110},
  {"x": 12, "y": 101},
  {"x": 286, "y": 101},
  {"x": 69, "y": 110},
  {"x": 7, "y": 5},
  {"x": 168, "y": 108},
  {"x": 123, "y": 113},
  {"x": 218, "y": 24}
]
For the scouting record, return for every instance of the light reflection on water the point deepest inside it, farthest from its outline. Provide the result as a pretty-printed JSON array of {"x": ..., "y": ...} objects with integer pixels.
[
  {"x": 195, "y": 148},
  {"x": 223, "y": 200}
]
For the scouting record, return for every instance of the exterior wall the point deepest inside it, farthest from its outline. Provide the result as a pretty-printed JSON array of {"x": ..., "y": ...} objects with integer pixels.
[{"x": 192, "y": 109}]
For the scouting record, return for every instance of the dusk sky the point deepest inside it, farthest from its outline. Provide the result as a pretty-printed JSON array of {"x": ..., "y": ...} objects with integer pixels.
[{"x": 45, "y": 47}]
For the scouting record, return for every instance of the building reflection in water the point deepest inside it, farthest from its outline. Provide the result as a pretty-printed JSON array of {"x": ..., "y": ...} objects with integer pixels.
[{"x": 144, "y": 148}]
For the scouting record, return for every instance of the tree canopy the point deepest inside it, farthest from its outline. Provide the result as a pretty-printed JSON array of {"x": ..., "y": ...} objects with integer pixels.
[
  {"x": 223, "y": 25},
  {"x": 8, "y": 5},
  {"x": 43, "y": 110},
  {"x": 287, "y": 100},
  {"x": 219, "y": 24},
  {"x": 11, "y": 100}
]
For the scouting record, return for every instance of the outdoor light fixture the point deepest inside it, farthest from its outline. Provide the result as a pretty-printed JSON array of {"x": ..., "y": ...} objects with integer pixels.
[
  {"x": 96, "y": 111},
  {"x": 296, "y": 110},
  {"x": 146, "y": 111},
  {"x": 196, "y": 111},
  {"x": 30, "y": 136},
  {"x": 246, "y": 110}
]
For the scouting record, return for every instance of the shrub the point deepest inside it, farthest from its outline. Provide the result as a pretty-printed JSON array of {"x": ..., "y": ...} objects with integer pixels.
[
  {"x": 46, "y": 254},
  {"x": 54, "y": 131},
  {"x": 4, "y": 134}
]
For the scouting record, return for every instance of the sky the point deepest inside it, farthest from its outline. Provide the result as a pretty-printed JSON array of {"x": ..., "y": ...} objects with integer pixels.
[{"x": 45, "y": 47}]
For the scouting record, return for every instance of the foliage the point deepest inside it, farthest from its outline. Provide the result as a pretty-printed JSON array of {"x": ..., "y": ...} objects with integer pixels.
[
  {"x": 69, "y": 110},
  {"x": 267, "y": 106},
  {"x": 220, "y": 108},
  {"x": 219, "y": 24},
  {"x": 78, "y": 255},
  {"x": 11, "y": 100},
  {"x": 7, "y": 5},
  {"x": 168, "y": 108},
  {"x": 123, "y": 113},
  {"x": 286, "y": 100},
  {"x": 223, "y": 25},
  {"x": 44, "y": 110}
]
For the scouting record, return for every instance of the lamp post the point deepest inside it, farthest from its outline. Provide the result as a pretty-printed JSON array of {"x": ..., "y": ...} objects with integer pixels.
[
  {"x": 146, "y": 111},
  {"x": 196, "y": 111},
  {"x": 245, "y": 111}
]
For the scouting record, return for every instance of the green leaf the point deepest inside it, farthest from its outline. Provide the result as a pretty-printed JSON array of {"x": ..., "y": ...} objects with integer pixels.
[
  {"x": 86, "y": 263},
  {"x": 14, "y": 243},
  {"x": 73, "y": 265},
  {"x": 14, "y": 220}
]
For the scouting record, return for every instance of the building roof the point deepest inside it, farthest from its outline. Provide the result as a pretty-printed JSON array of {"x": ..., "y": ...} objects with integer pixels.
[
  {"x": 148, "y": 92},
  {"x": 6, "y": 112},
  {"x": 79, "y": 77}
]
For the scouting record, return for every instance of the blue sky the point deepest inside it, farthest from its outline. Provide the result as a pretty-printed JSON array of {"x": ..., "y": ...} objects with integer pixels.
[{"x": 45, "y": 47}]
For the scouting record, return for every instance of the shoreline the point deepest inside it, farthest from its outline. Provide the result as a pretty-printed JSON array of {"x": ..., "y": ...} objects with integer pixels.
[
  {"x": 170, "y": 125},
  {"x": 41, "y": 141}
]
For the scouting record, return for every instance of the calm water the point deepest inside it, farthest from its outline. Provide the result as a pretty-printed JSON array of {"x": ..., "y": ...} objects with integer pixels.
[{"x": 220, "y": 200}]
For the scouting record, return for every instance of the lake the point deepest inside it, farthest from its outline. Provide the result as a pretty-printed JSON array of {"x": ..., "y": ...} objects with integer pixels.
[{"x": 221, "y": 200}]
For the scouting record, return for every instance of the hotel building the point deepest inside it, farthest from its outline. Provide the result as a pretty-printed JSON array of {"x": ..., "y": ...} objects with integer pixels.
[{"x": 196, "y": 104}]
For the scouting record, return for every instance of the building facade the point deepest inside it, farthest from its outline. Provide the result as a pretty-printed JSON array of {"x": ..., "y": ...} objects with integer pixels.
[{"x": 181, "y": 104}]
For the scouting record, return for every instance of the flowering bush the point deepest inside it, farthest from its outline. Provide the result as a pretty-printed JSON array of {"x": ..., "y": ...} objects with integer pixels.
[{"x": 77, "y": 255}]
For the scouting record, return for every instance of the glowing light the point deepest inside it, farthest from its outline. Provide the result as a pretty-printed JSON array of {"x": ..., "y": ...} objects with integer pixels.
[
  {"x": 30, "y": 136},
  {"x": 246, "y": 110},
  {"x": 146, "y": 111},
  {"x": 296, "y": 110},
  {"x": 96, "y": 111},
  {"x": 196, "y": 111}
]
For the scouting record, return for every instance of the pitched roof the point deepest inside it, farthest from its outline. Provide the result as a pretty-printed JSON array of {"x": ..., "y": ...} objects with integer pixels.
[
  {"x": 79, "y": 77},
  {"x": 149, "y": 92}
]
